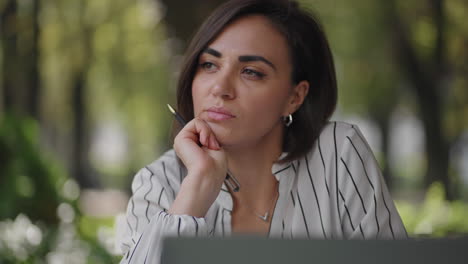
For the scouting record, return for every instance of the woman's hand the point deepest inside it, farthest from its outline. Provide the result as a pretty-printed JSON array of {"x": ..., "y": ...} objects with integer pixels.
[{"x": 206, "y": 162}]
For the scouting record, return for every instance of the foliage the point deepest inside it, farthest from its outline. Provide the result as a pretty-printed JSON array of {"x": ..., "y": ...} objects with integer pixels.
[
  {"x": 435, "y": 217},
  {"x": 381, "y": 75},
  {"x": 35, "y": 192},
  {"x": 120, "y": 48},
  {"x": 28, "y": 178},
  {"x": 119, "y": 51},
  {"x": 22, "y": 241}
]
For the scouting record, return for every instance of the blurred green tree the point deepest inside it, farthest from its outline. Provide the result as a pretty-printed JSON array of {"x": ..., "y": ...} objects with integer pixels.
[
  {"x": 19, "y": 36},
  {"x": 426, "y": 42},
  {"x": 395, "y": 53},
  {"x": 97, "y": 63},
  {"x": 29, "y": 181},
  {"x": 365, "y": 69}
]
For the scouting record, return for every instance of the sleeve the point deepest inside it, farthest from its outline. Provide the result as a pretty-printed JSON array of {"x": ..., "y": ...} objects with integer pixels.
[
  {"x": 367, "y": 210},
  {"x": 154, "y": 189}
]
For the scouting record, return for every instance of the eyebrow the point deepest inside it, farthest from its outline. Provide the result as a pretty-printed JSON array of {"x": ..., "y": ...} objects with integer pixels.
[
  {"x": 213, "y": 52},
  {"x": 247, "y": 58},
  {"x": 243, "y": 58}
]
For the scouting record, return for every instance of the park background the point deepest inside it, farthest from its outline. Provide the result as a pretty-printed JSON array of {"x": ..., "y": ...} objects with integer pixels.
[{"x": 84, "y": 86}]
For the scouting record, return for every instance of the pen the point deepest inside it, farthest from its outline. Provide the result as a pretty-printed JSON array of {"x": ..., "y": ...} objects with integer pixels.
[{"x": 230, "y": 180}]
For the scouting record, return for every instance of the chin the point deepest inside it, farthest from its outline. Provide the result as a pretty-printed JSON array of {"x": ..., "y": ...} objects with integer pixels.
[{"x": 225, "y": 137}]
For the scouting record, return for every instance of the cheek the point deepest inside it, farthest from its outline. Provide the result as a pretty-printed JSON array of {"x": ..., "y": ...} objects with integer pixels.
[
  {"x": 197, "y": 95},
  {"x": 271, "y": 103},
  {"x": 266, "y": 109}
]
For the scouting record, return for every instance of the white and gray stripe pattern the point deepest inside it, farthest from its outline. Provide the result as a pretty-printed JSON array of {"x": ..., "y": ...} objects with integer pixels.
[{"x": 336, "y": 191}]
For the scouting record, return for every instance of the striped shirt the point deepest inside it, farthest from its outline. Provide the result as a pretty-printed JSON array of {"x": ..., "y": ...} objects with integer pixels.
[{"x": 336, "y": 191}]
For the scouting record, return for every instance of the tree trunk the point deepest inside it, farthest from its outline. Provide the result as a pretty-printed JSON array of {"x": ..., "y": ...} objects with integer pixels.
[
  {"x": 32, "y": 60},
  {"x": 9, "y": 38},
  {"x": 383, "y": 123},
  {"x": 81, "y": 168},
  {"x": 426, "y": 84},
  {"x": 21, "y": 86}
]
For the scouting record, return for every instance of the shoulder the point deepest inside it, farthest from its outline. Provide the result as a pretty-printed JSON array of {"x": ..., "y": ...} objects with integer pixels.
[
  {"x": 338, "y": 140},
  {"x": 167, "y": 161},
  {"x": 338, "y": 130},
  {"x": 337, "y": 135},
  {"x": 167, "y": 170}
]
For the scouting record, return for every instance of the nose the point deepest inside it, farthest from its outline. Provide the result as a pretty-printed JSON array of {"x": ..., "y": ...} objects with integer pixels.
[{"x": 224, "y": 86}]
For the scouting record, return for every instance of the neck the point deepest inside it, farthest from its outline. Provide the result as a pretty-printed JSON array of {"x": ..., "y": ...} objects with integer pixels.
[{"x": 252, "y": 165}]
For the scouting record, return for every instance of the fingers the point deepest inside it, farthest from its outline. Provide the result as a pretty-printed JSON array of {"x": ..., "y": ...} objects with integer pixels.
[
  {"x": 206, "y": 136},
  {"x": 196, "y": 145},
  {"x": 200, "y": 132},
  {"x": 213, "y": 142},
  {"x": 209, "y": 139}
]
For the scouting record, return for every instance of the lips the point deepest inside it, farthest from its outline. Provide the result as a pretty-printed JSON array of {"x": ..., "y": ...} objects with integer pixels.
[{"x": 219, "y": 114}]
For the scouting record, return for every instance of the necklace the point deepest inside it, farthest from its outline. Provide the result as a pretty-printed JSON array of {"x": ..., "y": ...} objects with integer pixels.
[{"x": 266, "y": 216}]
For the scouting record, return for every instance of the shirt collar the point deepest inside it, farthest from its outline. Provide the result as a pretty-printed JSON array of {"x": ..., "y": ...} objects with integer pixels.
[{"x": 279, "y": 170}]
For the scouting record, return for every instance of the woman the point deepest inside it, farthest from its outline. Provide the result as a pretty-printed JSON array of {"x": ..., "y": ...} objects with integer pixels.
[{"x": 259, "y": 87}]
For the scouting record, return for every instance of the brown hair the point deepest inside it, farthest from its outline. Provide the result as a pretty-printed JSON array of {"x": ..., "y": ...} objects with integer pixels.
[{"x": 311, "y": 60}]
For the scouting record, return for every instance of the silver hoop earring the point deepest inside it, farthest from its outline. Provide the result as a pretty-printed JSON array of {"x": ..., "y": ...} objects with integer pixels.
[{"x": 288, "y": 120}]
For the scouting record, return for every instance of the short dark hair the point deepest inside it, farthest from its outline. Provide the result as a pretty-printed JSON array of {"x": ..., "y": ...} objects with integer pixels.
[{"x": 311, "y": 61}]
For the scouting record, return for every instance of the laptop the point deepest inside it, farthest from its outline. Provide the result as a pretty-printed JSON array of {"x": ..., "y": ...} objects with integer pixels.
[{"x": 236, "y": 250}]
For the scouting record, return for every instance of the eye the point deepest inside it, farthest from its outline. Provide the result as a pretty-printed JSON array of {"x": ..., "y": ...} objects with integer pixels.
[
  {"x": 208, "y": 66},
  {"x": 253, "y": 74}
]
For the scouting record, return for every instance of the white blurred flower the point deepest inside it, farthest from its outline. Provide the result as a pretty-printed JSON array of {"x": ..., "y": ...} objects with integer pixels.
[
  {"x": 69, "y": 248},
  {"x": 66, "y": 213},
  {"x": 19, "y": 237},
  {"x": 71, "y": 190},
  {"x": 34, "y": 235},
  {"x": 106, "y": 238}
]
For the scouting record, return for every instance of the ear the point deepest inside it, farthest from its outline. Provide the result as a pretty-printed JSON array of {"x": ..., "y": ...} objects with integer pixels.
[{"x": 297, "y": 97}]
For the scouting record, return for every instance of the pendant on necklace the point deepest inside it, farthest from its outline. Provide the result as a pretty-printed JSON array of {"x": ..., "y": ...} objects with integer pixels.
[{"x": 263, "y": 217}]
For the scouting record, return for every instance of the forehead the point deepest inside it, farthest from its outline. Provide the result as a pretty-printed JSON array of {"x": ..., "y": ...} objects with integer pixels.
[{"x": 252, "y": 34}]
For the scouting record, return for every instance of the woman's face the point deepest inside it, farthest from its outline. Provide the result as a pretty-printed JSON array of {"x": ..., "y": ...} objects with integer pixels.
[{"x": 242, "y": 86}]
